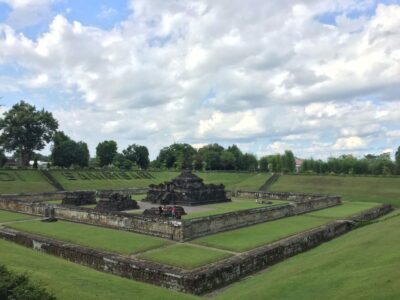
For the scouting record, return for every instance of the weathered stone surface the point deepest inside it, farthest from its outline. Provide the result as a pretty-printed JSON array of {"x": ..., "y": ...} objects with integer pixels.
[
  {"x": 186, "y": 189},
  {"x": 155, "y": 212},
  {"x": 116, "y": 202},
  {"x": 79, "y": 198}
]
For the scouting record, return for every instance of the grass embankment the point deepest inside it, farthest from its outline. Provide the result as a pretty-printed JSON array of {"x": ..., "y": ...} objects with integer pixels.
[
  {"x": 363, "y": 264},
  {"x": 185, "y": 256},
  {"x": 112, "y": 183},
  {"x": 72, "y": 281},
  {"x": 236, "y": 181},
  {"x": 23, "y": 181},
  {"x": 6, "y": 216},
  {"x": 247, "y": 238},
  {"x": 351, "y": 188},
  {"x": 235, "y": 205},
  {"x": 91, "y": 236}
]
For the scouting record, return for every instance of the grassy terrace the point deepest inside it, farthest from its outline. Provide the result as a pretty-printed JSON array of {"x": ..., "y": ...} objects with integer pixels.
[
  {"x": 352, "y": 188},
  {"x": 236, "y": 181},
  {"x": 91, "y": 236},
  {"x": 6, "y": 216},
  {"x": 72, "y": 281},
  {"x": 23, "y": 181},
  {"x": 247, "y": 238},
  {"x": 363, "y": 264},
  {"x": 185, "y": 256},
  {"x": 81, "y": 184}
]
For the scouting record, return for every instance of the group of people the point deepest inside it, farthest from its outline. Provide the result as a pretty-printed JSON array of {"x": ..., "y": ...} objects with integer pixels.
[{"x": 169, "y": 212}]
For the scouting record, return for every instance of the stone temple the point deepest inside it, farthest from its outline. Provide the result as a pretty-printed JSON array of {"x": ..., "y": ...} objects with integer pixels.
[{"x": 187, "y": 189}]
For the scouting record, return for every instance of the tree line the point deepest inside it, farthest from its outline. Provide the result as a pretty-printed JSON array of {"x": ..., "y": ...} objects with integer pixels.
[{"x": 25, "y": 130}]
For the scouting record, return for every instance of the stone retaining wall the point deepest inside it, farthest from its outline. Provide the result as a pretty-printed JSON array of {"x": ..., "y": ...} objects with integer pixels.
[
  {"x": 178, "y": 230},
  {"x": 228, "y": 221},
  {"x": 281, "y": 195},
  {"x": 48, "y": 196},
  {"x": 200, "y": 280}
]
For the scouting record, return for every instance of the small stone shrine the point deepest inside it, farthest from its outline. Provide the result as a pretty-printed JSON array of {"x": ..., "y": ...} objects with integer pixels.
[
  {"x": 79, "y": 198},
  {"x": 186, "y": 189},
  {"x": 116, "y": 202}
]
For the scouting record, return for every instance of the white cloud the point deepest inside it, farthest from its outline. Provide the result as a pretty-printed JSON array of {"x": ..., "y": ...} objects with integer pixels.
[
  {"x": 222, "y": 71},
  {"x": 349, "y": 143}
]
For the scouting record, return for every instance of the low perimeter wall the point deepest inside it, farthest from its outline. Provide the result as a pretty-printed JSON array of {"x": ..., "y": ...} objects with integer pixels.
[
  {"x": 42, "y": 197},
  {"x": 178, "y": 230},
  {"x": 198, "y": 281}
]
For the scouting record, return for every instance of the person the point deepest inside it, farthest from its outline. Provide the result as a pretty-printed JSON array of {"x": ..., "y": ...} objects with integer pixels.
[
  {"x": 160, "y": 210},
  {"x": 174, "y": 211},
  {"x": 165, "y": 211}
]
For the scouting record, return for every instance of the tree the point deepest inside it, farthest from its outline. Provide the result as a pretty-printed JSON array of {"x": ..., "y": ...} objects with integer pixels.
[
  {"x": 263, "y": 163},
  {"x": 138, "y": 154},
  {"x": 121, "y": 162},
  {"x": 227, "y": 160},
  {"x": 15, "y": 286},
  {"x": 3, "y": 158},
  {"x": 238, "y": 156},
  {"x": 65, "y": 152},
  {"x": 25, "y": 129},
  {"x": 250, "y": 162},
  {"x": 179, "y": 156},
  {"x": 105, "y": 152},
  {"x": 397, "y": 160}
]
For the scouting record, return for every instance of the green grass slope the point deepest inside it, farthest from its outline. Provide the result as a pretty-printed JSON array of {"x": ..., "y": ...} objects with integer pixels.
[
  {"x": 72, "y": 281},
  {"x": 23, "y": 181},
  {"x": 92, "y": 236},
  {"x": 363, "y": 264},
  {"x": 351, "y": 188},
  {"x": 7, "y": 216},
  {"x": 238, "y": 181}
]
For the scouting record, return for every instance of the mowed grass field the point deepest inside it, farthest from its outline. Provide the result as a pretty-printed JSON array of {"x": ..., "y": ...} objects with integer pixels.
[
  {"x": 231, "y": 180},
  {"x": 351, "y": 188},
  {"x": 94, "y": 184},
  {"x": 363, "y": 264},
  {"x": 7, "y": 216},
  {"x": 92, "y": 236},
  {"x": 23, "y": 181},
  {"x": 247, "y": 238},
  {"x": 185, "y": 256}
]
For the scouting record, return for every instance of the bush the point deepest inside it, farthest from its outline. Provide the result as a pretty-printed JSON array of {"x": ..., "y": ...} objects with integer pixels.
[{"x": 18, "y": 287}]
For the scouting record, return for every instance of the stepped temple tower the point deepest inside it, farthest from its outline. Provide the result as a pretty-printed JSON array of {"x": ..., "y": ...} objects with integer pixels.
[{"x": 187, "y": 189}]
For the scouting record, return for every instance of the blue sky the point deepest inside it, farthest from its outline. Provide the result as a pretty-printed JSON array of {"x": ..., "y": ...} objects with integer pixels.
[{"x": 318, "y": 77}]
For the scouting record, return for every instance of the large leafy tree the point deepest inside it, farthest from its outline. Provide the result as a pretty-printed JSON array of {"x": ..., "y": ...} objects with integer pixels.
[
  {"x": 105, "y": 152},
  {"x": 177, "y": 155},
  {"x": 138, "y": 154},
  {"x": 3, "y": 158},
  {"x": 66, "y": 152},
  {"x": 25, "y": 129},
  {"x": 397, "y": 159}
]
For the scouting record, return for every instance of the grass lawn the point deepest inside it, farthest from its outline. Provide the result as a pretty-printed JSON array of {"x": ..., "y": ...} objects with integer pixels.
[
  {"x": 247, "y": 238},
  {"x": 363, "y": 264},
  {"x": 91, "y": 236},
  {"x": 109, "y": 183},
  {"x": 235, "y": 205},
  {"x": 345, "y": 210},
  {"x": 6, "y": 216},
  {"x": 72, "y": 281},
  {"x": 23, "y": 181},
  {"x": 231, "y": 180},
  {"x": 185, "y": 256},
  {"x": 351, "y": 188}
]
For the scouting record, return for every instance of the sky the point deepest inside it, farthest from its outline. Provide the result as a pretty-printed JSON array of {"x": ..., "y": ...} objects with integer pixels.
[{"x": 319, "y": 77}]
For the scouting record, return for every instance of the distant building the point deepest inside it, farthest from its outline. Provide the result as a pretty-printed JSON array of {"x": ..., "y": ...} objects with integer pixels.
[{"x": 299, "y": 163}]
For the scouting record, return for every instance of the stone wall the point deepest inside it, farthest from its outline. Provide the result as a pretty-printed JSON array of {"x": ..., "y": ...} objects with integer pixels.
[
  {"x": 281, "y": 195},
  {"x": 200, "y": 280},
  {"x": 42, "y": 197},
  {"x": 228, "y": 221},
  {"x": 178, "y": 230}
]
